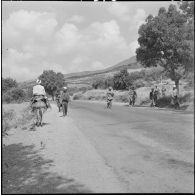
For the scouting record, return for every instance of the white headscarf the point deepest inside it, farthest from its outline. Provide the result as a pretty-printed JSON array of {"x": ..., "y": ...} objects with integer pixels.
[{"x": 38, "y": 81}]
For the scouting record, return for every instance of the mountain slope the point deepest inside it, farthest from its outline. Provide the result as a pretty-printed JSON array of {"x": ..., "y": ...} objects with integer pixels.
[
  {"x": 129, "y": 63},
  {"x": 87, "y": 77}
]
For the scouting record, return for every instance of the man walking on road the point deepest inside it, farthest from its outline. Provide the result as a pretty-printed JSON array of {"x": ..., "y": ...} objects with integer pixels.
[
  {"x": 64, "y": 100},
  {"x": 132, "y": 96},
  {"x": 175, "y": 97},
  {"x": 110, "y": 95},
  {"x": 156, "y": 95},
  {"x": 152, "y": 97}
]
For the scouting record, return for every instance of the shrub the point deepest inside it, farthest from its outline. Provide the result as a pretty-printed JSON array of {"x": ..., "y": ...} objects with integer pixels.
[
  {"x": 7, "y": 117},
  {"x": 99, "y": 84},
  {"x": 185, "y": 98},
  {"x": 164, "y": 102},
  {"x": 14, "y": 95},
  {"x": 121, "y": 98},
  {"x": 144, "y": 101},
  {"x": 77, "y": 96},
  {"x": 138, "y": 83},
  {"x": 7, "y": 84}
]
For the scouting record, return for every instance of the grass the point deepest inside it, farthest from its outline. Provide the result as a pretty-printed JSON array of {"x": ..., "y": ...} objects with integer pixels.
[{"x": 15, "y": 115}]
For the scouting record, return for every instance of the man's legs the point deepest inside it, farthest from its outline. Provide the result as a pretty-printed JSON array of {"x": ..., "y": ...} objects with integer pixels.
[
  {"x": 63, "y": 108},
  {"x": 130, "y": 101},
  {"x": 155, "y": 101},
  {"x": 66, "y": 107}
]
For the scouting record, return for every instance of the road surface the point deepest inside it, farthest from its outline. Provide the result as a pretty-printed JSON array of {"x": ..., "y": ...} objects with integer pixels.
[{"x": 124, "y": 149}]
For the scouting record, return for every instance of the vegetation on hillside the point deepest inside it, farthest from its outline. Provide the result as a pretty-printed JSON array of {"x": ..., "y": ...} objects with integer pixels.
[{"x": 122, "y": 80}]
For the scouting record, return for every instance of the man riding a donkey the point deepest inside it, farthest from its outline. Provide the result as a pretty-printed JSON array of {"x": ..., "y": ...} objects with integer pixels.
[{"x": 39, "y": 102}]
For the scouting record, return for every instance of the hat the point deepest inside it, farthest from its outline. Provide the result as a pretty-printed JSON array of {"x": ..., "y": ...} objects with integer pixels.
[
  {"x": 174, "y": 86},
  {"x": 38, "y": 81},
  {"x": 64, "y": 88}
]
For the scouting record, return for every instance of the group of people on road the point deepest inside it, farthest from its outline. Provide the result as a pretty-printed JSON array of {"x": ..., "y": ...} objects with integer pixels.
[
  {"x": 39, "y": 98},
  {"x": 154, "y": 96}
]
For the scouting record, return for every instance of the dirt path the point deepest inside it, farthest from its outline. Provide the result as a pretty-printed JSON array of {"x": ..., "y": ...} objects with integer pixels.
[{"x": 70, "y": 154}]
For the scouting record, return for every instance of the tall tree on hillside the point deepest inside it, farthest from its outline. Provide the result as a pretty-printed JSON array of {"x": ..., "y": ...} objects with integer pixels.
[
  {"x": 52, "y": 81},
  {"x": 163, "y": 42},
  {"x": 8, "y": 83}
]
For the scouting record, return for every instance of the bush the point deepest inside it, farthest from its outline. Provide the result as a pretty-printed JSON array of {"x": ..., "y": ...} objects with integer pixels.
[
  {"x": 99, "y": 84},
  {"x": 7, "y": 84},
  {"x": 188, "y": 97},
  {"x": 14, "y": 95},
  {"x": 138, "y": 83},
  {"x": 144, "y": 101},
  {"x": 77, "y": 96},
  {"x": 164, "y": 101},
  {"x": 7, "y": 117}
]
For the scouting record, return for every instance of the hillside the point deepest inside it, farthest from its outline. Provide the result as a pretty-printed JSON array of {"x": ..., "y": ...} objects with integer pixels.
[
  {"x": 129, "y": 63},
  {"x": 85, "y": 78}
]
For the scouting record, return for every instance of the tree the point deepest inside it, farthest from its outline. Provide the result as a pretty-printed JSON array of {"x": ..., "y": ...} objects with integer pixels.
[
  {"x": 8, "y": 83},
  {"x": 98, "y": 83},
  {"x": 121, "y": 79},
  {"x": 52, "y": 81},
  {"x": 163, "y": 42}
]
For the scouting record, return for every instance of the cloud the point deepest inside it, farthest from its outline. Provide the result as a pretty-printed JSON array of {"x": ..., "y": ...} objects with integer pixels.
[
  {"x": 97, "y": 65},
  {"x": 76, "y": 18},
  {"x": 106, "y": 33},
  {"x": 120, "y": 11},
  {"x": 66, "y": 38},
  {"x": 15, "y": 64},
  {"x": 138, "y": 19},
  {"x": 37, "y": 42},
  {"x": 133, "y": 46},
  {"x": 28, "y": 25}
]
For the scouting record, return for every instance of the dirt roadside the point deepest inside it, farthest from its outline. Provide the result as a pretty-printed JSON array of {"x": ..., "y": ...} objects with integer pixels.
[{"x": 55, "y": 158}]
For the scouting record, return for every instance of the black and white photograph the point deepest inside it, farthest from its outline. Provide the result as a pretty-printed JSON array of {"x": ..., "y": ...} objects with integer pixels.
[{"x": 97, "y": 97}]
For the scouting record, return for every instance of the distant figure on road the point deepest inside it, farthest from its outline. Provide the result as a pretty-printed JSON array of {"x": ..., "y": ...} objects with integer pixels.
[
  {"x": 156, "y": 95},
  {"x": 110, "y": 95},
  {"x": 59, "y": 104},
  {"x": 163, "y": 90},
  {"x": 152, "y": 97},
  {"x": 175, "y": 97},
  {"x": 132, "y": 96},
  {"x": 65, "y": 98}
]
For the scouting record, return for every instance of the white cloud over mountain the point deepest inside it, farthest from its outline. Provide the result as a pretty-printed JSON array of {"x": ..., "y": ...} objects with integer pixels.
[{"x": 67, "y": 38}]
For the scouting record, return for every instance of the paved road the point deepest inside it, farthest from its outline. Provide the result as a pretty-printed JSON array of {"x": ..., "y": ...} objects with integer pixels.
[
  {"x": 150, "y": 150},
  {"x": 100, "y": 150}
]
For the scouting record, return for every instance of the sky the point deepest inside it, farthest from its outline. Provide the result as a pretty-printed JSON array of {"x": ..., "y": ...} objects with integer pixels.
[{"x": 69, "y": 36}]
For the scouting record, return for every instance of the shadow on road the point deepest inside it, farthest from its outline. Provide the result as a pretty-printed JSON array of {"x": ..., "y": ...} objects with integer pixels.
[
  {"x": 24, "y": 171},
  {"x": 145, "y": 106},
  {"x": 43, "y": 124}
]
